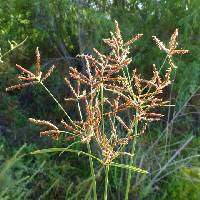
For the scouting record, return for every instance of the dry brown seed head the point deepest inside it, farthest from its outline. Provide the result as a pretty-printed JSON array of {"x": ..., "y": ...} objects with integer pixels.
[
  {"x": 123, "y": 141},
  {"x": 48, "y": 74},
  {"x": 173, "y": 43},
  {"x": 25, "y": 71},
  {"x": 20, "y": 86},
  {"x": 43, "y": 123},
  {"x": 171, "y": 50},
  {"x": 37, "y": 74},
  {"x": 160, "y": 44},
  {"x": 181, "y": 51},
  {"x": 52, "y": 133},
  {"x": 138, "y": 36},
  {"x": 122, "y": 123}
]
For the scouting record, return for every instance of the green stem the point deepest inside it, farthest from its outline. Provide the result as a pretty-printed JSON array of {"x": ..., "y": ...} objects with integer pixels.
[
  {"x": 106, "y": 183},
  {"x": 163, "y": 63},
  {"x": 59, "y": 105},
  {"x": 92, "y": 173},
  {"x": 102, "y": 109},
  {"x": 131, "y": 161},
  {"x": 129, "y": 82},
  {"x": 18, "y": 45}
]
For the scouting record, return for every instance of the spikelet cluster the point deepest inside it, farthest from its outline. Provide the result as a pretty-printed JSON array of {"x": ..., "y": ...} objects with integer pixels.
[
  {"x": 103, "y": 86},
  {"x": 52, "y": 131},
  {"x": 28, "y": 78}
]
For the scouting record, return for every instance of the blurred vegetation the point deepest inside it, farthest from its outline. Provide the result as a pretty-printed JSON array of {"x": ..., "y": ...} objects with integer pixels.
[
  {"x": 64, "y": 28},
  {"x": 183, "y": 185}
]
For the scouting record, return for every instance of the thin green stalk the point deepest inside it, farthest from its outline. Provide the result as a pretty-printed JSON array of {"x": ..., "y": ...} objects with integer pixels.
[
  {"x": 131, "y": 162},
  {"x": 129, "y": 81},
  {"x": 17, "y": 45},
  {"x": 103, "y": 130},
  {"x": 102, "y": 109},
  {"x": 163, "y": 63},
  {"x": 92, "y": 173},
  {"x": 106, "y": 183},
  {"x": 129, "y": 78},
  {"x": 59, "y": 105}
]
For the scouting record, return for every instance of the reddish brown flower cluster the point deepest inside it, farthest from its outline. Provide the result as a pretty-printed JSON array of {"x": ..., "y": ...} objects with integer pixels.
[
  {"x": 53, "y": 130},
  {"x": 30, "y": 78},
  {"x": 108, "y": 96},
  {"x": 171, "y": 50}
]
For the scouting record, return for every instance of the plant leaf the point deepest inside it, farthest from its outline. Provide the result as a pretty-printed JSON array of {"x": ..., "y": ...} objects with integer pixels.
[
  {"x": 134, "y": 169},
  {"x": 53, "y": 150}
]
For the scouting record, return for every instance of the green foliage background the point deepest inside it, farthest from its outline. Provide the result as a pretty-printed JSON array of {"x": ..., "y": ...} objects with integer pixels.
[{"x": 62, "y": 29}]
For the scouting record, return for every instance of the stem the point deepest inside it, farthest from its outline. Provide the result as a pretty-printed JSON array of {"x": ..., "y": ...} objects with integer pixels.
[
  {"x": 59, "y": 105},
  {"x": 129, "y": 81},
  {"x": 102, "y": 109},
  {"x": 129, "y": 78},
  {"x": 163, "y": 63},
  {"x": 92, "y": 173},
  {"x": 131, "y": 161},
  {"x": 106, "y": 183},
  {"x": 80, "y": 113},
  {"x": 18, "y": 45}
]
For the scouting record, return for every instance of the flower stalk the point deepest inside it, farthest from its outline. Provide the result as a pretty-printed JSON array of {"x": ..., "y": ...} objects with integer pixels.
[{"x": 106, "y": 183}]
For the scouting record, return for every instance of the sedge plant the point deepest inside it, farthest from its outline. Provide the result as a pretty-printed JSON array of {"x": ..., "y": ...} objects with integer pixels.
[{"x": 107, "y": 91}]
